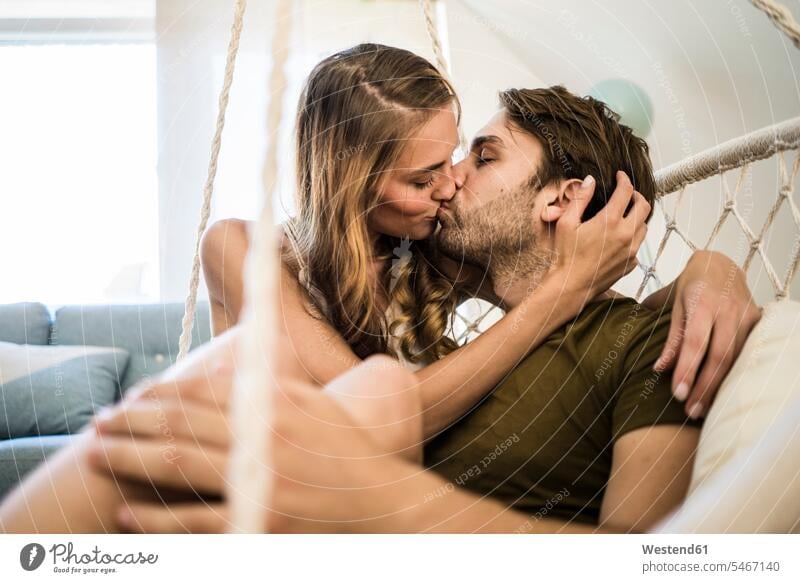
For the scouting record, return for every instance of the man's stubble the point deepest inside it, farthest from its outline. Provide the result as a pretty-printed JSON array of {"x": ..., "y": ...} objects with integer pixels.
[{"x": 498, "y": 236}]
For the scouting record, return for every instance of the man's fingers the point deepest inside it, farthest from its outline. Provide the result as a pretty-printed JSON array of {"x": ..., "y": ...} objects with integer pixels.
[
  {"x": 692, "y": 351},
  {"x": 672, "y": 346},
  {"x": 621, "y": 197},
  {"x": 716, "y": 365},
  {"x": 168, "y": 420},
  {"x": 179, "y": 464},
  {"x": 194, "y": 517}
]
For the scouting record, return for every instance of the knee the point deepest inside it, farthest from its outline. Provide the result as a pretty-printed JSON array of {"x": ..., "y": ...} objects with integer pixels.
[
  {"x": 400, "y": 405},
  {"x": 383, "y": 398},
  {"x": 398, "y": 385}
]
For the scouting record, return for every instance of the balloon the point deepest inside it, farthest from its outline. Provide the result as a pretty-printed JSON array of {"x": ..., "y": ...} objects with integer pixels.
[{"x": 629, "y": 100}]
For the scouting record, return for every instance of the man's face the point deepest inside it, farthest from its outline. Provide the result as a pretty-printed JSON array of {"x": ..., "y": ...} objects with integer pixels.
[{"x": 497, "y": 211}]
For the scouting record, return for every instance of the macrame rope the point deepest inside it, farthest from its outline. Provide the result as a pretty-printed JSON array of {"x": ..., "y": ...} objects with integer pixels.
[
  {"x": 249, "y": 479},
  {"x": 735, "y": 153},
  {"x": 436, "y": 43},
  {"x": 739, "y": 153},
  {"x": 781, "y": 17},
  {"x": 194, "y": 281},
  {"x": 433, "y": 34}
]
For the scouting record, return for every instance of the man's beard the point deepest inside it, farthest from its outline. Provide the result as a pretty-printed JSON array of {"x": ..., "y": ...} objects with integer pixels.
[{"x": 498, "y": 236}]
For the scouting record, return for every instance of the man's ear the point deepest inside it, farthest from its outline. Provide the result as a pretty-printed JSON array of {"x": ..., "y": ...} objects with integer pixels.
[{"x": 557, "y": 199}]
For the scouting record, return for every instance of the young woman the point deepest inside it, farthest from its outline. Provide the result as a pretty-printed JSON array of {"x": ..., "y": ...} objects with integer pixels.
[{"x": 376, "y": 130}]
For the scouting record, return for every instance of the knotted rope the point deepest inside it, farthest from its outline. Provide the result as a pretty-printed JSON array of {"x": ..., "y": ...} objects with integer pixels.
[
  {"x": 187, "y": 323},
  {"x": 249, "y": 478}
]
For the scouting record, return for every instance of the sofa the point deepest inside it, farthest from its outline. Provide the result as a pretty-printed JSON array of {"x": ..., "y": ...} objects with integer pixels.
[{"x": 147, "y": 333}]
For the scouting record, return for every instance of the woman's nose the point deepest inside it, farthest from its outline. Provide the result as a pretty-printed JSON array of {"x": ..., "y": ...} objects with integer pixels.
[
  {"x": 459, "y": 173},
  {"x": 448, "y": 188},
  {"x": 445, "y": 192}
]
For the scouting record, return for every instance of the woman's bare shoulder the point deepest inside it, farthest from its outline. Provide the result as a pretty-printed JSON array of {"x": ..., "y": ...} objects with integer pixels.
[
  {"x": 224, "y": 238},
  {"x": 232, "y": 237}
]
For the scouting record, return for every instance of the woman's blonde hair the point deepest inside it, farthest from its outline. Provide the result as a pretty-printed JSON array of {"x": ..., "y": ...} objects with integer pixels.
[{"x": 357, "y": 110}]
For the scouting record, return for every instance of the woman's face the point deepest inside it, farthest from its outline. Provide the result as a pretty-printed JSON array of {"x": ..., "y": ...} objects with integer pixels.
[{"x": 422, "y": 179}]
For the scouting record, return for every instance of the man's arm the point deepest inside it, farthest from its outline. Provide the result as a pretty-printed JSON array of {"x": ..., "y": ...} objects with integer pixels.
[
  {"x": 434, "y": 505},
  {"x": 650, "y": 475},
  {"x": 713, "y": 313}
]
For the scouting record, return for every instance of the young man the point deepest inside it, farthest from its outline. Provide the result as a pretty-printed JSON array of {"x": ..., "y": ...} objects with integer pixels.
[{"x": 584, "y": 428}]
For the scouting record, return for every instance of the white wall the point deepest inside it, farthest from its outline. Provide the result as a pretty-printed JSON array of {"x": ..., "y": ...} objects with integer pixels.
[
  {"x": 192, "y": 41},
  {"x": 77, "y": 9}
]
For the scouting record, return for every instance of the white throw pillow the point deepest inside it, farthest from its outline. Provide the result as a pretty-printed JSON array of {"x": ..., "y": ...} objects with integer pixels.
[
  {"x": 756, "y": 491},
  {"x": 746, "y": 476},
  {"x": 761, "y": 385}
]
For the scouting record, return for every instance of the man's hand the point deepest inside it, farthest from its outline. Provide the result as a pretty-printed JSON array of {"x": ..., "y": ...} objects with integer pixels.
[{"x": 712, "y": 316}]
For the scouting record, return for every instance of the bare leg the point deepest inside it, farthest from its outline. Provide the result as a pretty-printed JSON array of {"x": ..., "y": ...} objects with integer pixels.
[
  {"x": 66, "y": 495},
  {"x": 381, "y": 396}
]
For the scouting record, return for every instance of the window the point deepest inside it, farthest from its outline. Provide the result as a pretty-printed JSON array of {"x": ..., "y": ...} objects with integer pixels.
[{"x": 78, "y": 190}]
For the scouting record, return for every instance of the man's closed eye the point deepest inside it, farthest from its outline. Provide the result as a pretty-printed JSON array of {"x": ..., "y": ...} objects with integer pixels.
[{"x": 483, "y": 157}]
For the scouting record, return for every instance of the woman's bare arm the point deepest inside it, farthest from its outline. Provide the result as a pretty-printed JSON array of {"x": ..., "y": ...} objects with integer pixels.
[
  {"x": 222, "y": 251},
  {"x": 320, "y": 349},
  {"x": 450, "y": 386}
]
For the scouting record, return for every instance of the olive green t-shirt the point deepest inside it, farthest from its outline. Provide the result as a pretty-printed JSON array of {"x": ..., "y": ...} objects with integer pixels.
[{"x": 542, "y": 441}]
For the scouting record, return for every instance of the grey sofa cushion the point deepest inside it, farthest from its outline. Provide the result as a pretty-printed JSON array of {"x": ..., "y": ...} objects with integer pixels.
[
  {"x": 49, "y": 390},
  {"x": 20, "y": 456},
  {"x": 149, "y": 333},
  {"x": 24, "y": 323}
]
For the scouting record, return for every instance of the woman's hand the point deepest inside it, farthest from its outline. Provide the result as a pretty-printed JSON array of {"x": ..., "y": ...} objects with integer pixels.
[
  {"x": 592, "y": 256},
  {"x": 712, "y": 316}
]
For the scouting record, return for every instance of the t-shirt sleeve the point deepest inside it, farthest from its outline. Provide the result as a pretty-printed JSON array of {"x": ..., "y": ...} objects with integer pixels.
[{"x": 642, "y": 396}]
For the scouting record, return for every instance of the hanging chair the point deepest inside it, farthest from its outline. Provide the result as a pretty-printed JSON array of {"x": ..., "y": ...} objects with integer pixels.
[{"x": 249, "y": 483}]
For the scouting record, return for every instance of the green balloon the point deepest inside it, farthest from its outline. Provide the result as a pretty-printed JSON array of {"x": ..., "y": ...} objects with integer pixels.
[{"x": 629, "y": 100}]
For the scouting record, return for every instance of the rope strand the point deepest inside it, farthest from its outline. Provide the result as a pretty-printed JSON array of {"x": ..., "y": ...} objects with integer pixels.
[
  {"x": 436, "y": 43},
  {"x": 187, "y": 323},
  {"x": 250, "y": 481},
  {"x": 781, "y": 17}
]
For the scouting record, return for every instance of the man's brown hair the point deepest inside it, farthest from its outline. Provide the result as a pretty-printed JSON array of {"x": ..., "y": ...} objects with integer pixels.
[{"x": 580, "y": 136}]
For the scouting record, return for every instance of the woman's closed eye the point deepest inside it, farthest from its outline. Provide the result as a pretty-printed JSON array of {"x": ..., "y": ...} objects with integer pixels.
[{"x": 426, "y": 184}]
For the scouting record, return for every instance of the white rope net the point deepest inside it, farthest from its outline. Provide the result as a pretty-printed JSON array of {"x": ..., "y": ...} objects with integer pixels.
[{"x": 747, "y": 225}]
